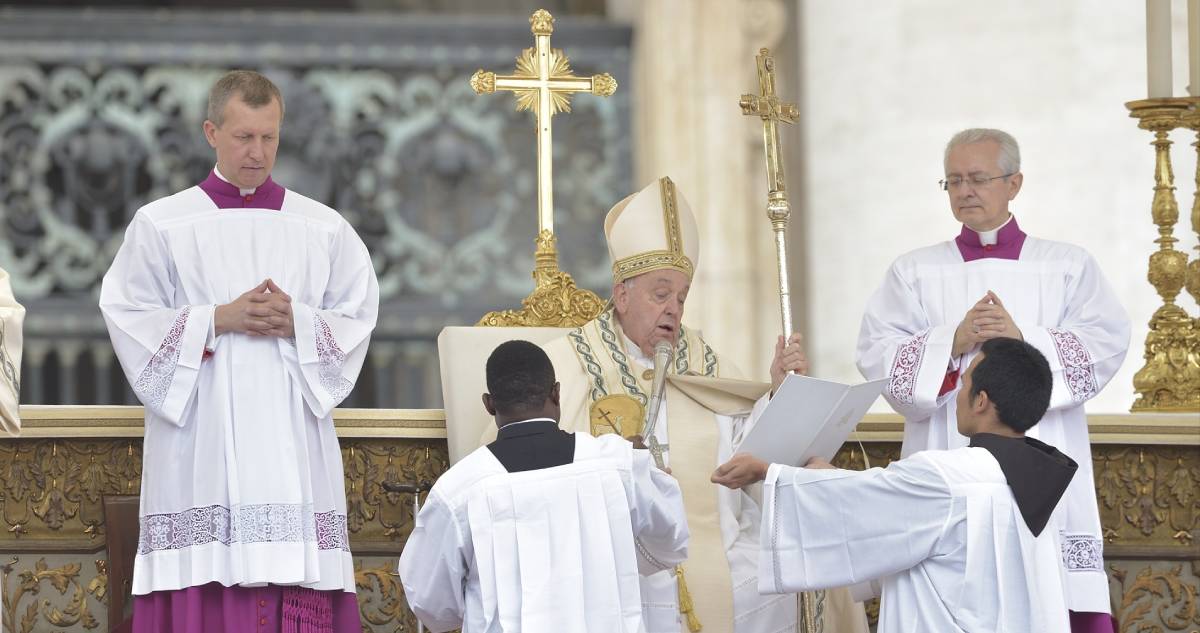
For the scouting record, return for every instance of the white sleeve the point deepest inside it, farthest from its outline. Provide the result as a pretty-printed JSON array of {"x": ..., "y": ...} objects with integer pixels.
[
  {"x": 1088, "y": 345},
  {"x": 433, "y": 567},
  {"x": 660, "y": 528},
  {"x": 834, "y": 528},
  {"x": 12, "y": 316},
  {"x": 331, "y": 339},
  {"x": 741, "y": 424},
  {"x": 897, "y": 341},
  {"x": 160, "y": 344}
]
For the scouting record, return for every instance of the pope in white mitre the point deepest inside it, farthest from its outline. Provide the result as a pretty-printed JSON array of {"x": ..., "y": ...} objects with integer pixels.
[
  {"x": 606, "y": 370},
  {"x": 12, "y": 315}
]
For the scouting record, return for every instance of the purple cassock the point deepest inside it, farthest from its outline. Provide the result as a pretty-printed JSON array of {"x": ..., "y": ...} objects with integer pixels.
[{"x": 268, "y": 609}]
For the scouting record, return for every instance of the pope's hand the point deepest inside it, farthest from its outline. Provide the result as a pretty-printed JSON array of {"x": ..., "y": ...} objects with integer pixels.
[
  {"x": 740, "y": 471},
  {"x": 788, "y": 359}
]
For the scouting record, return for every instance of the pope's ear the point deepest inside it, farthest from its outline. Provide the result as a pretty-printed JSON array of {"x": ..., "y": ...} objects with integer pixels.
[{"x": 620, "y": 295}]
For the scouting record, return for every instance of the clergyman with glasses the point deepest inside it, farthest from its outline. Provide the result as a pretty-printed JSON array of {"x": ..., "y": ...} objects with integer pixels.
[{"x": 937, "y": 305}]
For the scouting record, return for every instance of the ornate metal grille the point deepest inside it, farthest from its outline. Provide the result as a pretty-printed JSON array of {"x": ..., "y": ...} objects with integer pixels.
[{"x": 102, "y": 112}]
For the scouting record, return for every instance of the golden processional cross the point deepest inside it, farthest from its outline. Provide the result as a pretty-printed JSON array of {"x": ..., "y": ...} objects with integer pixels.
[
  {"x": 772, "y": 111},
  {"x": 543, "y": 83}
]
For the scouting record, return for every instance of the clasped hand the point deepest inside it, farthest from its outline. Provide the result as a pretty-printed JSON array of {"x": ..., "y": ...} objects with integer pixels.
[
  {"x": 265, "y": 310},
  {"x": 986, "y": 320}
]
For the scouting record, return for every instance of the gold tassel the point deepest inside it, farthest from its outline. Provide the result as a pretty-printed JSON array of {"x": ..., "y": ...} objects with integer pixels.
[{"x": 685, "y": 602}]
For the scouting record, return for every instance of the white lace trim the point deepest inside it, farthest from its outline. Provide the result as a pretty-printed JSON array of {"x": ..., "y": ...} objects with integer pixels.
[
  {"x": 266, "y": 523},
  {"x": 330, "y": 359},
  {"x": 153, "y": 384},
  {"x": 1078, "y": 372},
  {"x": 905, "y": 368},
  {"x": 1082, "y": 552}
]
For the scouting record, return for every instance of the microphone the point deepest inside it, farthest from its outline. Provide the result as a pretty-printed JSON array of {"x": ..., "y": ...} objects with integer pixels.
[{"x": 663, "y": 351}]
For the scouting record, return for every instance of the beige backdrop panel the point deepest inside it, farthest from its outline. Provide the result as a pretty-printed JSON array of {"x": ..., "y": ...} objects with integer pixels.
[{"x": 463, "y": 354}]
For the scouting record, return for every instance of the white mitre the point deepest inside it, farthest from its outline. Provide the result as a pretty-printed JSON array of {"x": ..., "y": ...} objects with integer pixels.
[{"x": 650, "y": 230}]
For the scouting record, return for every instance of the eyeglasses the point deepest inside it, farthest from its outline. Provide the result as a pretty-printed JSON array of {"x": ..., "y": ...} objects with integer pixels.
[{"x": 976, "y": 180}]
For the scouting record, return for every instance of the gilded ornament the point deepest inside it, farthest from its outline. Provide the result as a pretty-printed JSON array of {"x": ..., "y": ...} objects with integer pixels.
[
  {"x": 64, "y": 579},
  {"x": 391, "y": 609},
  {"x": 483, "y": 82},
  {"x": 555, "y": 300},
  {"x": 541, "y": 22},
  {"x": 1170, "y": 378},
  {"x": 603, "y": 85},
  {"x": 1160, "y": 598}
]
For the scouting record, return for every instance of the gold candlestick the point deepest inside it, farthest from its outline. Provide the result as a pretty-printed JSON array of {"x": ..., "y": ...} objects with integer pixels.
[
  {"x": 1170, "y": 378},
  {"x": 1192, "y": 120}
]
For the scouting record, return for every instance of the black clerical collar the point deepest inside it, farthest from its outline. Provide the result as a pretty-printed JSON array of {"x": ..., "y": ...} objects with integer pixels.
[
  {"x": 1037, "y": 473},
  {"x": 532, "y": 426},
  {"x": 533, "y": 444}
]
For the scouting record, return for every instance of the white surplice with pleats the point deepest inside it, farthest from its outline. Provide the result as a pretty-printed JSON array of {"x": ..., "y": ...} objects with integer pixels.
[
  {"x": 556, "y": 550},
  {"x": 242, "y": 479},
  {"x": 940, "y": 531}
]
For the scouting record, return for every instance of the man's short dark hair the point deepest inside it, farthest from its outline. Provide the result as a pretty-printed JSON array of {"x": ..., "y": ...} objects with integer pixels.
[
  {"x": 251, "y": 87},
  {"x": 519, "y": 377},
  {"x": 1017, "y": 380}
]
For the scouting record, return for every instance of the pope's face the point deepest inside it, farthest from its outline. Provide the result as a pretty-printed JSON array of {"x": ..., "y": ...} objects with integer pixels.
[
  {"x": 981, "y": 207},
  {"x": 246, "y": 141},
  {"x": 650, "y": 307}
]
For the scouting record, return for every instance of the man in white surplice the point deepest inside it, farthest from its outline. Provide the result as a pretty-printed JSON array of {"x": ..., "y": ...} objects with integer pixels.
[
  {"x": 241, "y": 313},
  {"x": 12, "y": 316},
  {"x": 541, "y": 531},
  {"x": 938, "y": 304},
  {"x": 957, "y": 541},
  {"x": 606, "y": 369}
]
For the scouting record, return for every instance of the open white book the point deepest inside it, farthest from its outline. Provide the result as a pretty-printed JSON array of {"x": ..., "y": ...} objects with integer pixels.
[{"x": 809, "y": 417}]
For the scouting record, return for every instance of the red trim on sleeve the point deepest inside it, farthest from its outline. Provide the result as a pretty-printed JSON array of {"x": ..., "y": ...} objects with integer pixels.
[{"x": 949, "y": 383}]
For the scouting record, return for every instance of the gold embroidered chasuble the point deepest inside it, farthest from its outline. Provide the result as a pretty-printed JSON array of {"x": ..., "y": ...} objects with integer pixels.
[{"x": 614, "y": 400}]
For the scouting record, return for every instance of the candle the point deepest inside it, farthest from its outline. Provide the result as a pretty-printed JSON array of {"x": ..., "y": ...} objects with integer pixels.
[
  {"x": 1194, "y": 48},
  {"x": 1158, "y": 48}
]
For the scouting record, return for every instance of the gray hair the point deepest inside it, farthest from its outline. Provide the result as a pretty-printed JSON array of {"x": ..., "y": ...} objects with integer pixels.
[
  {"x": 253, "y": 88},
  {"x": 1010, "y": 153}
]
